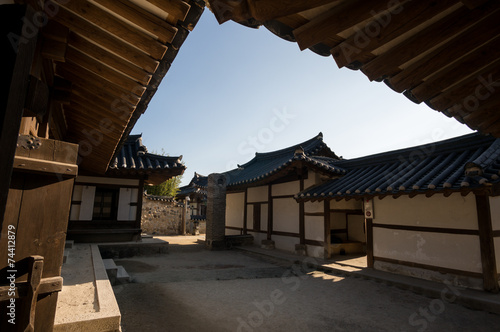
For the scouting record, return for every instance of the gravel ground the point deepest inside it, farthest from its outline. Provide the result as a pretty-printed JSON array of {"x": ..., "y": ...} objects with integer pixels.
[{"x": 192, "y": 289}]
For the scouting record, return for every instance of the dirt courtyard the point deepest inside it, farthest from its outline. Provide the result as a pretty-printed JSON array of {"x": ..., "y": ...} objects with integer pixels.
[{"x": 192, "y": 289}]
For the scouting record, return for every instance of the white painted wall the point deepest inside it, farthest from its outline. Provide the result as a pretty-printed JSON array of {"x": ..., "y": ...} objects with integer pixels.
[
  {"x": 454, "y": 251},
  {"x": 234, "y": 209},
  {"x": 287, "y": 188},
  {"x": 454, "y": 211},
  {"x": 313, "y": 178},
  {"x": 314, "y": 228},
  {"x": 285, "y": 215},
  {"x": 351, "y": 204},
  {"x": 258, "y": 194},
  {"x": 310, "y": 207}
]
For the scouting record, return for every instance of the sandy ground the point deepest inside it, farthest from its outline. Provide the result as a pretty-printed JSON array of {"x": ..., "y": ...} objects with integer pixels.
[{"x": 192, "y": 289}]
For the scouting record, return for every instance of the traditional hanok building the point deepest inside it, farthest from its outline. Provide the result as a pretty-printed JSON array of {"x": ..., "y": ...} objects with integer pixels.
[
  {"x": 108, "y": 208},
  {"x": 430, "y": 211},
  {"x": 196, "y": 190},
  {"x": 77, "y": 75},
  {"x": 260, "y": 196}
]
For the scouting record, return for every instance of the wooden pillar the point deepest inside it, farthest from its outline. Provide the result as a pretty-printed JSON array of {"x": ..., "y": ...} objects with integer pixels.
[
  {"x": 327, "y": 240},
  {"x": 269, "y": 214},
  {"x": 302, "y": 230},
  {"x": 369, "y": 242},
  {"x": 13, "y": 101},
  {"x": 490, "y": 277},
  {"x": 245, "y": 210}
]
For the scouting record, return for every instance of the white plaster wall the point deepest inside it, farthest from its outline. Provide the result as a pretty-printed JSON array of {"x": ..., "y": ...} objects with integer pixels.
[
  {"x": 454, "y": 211},
  {"x": 258, "y": 194},
  {"x": 314, "y": 207},
  {"x": 454, "y": 251},
  {"x": 232, "y": 232},
  {"x": 312, "y": 179},
  {"x": 235, "y": 209},
  {"x": 87, "y": 206},
  {"x": 285, "y": 215},
  {"x": 104, "y": 180},
  {"x": 356, "y": 227},
  {"x": 287, "y": 188},
  {"x": 495, "y": 213},
  {"x": 351, "y": 204},
  {"x": 314, "y": 228},
  {"x": 285, "y": 242}
]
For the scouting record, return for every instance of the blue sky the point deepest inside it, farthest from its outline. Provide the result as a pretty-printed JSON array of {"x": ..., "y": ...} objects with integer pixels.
[{"x": 233, "y": 90}]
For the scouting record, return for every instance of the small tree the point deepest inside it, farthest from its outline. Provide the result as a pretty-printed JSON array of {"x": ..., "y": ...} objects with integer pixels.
[{"x": 167, "y": 188}]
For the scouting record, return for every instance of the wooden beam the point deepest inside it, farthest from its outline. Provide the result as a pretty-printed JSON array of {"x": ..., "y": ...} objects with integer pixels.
[
  {"x": 82, "y": 60},
  {"x": 116, "y": 27},
  {"x": 177, "y": 10},
  {"x": 334, "y": 21},
  {"x": 302, "y": 228},
  {"x": 388, "y": 63},
  {"x": 81, "y": 76},
  {"x": 263, "y": 10},
  {"x": 34, "y": 278},
  {"x": 439, "y": 58},
  {"x": 245, "y": 213},
  {"x": 490, "y": 276},
  {"x": 477, "y": 88},
  {"x": 110, "y": 59},
  {"x": 54, "y": 50},
  {"x": 106, "y": 40},
  {"x": 459, "y": 70},
  {"x": 358, "y": 47},
  {"x": 137, "y": 15},
  {"x": 37, "y": 98},
  {"x": 269, "y": 213}
]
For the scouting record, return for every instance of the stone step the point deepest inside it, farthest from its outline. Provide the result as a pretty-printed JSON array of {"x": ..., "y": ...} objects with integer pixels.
[
  {"x": 122, "y": 275},
  {"x": 111, "y": 269},
  {"x": 65, "y": 255}
]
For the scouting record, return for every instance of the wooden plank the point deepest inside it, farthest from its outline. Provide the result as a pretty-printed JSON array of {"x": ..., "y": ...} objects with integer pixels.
[
  {"x": 44, "y": 166},
  {"x": 269, "y": 213},
  {"x": 177, "y": 10},
  {"x": 137, "y": 15},
  {"x": 82, "y": 60},
  {"x": 81, "y": 107},
  {"x": 256, "y": 217},
  {"x": 106, "y": 40},
  {"x": 34, "y": 277},
  {"x": 302, "y": 227},
  {"x": 358, "y": 47},
  {"x": 456, "y": 48},
  {"x": 387, "y": 64},
  {"x": 47, "y": 285},
  {"x": 81, "y": 76},
  {"x": 245, "y": 211},
  {"x": 116, "y": 27},
  {"x": 108, "y": 58},
  {"x": 454, "y": 73},
  {"x": 332, "y": 22},
  {"x": 270, "y": 10},
  {"x": 490, "y": 276},
  {"x": 119, "y": 106}
]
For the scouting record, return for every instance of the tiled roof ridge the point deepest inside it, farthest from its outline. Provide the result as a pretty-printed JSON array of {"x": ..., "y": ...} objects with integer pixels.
[{"x": 427, "y": 150}]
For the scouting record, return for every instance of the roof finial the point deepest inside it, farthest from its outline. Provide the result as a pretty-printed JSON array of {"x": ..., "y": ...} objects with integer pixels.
[
  {"x": 299, "y": 151},
  {"x": 320, "y": 135}
]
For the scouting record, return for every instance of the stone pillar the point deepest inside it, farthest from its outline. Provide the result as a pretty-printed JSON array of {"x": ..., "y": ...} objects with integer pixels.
[{"x": 216, "y": 211}]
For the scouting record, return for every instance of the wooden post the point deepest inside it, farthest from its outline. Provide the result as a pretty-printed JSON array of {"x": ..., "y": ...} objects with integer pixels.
[
  {"x": 245, "y": 210},
  {"x": 369, "y": 242},
  {"x": 34, "y": 279},
  {"x": 490, "y": 277},
  {"x": 302, "y": 231},
  {"x": 328, "y": 239},
  {"x": 269, "y": 213},
  {"x": 10, "y": 121}
]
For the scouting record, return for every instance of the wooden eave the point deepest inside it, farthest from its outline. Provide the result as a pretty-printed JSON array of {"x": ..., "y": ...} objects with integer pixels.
[
  {"x": 443, "y": 53},
  {"x": 103, "y": 60}
]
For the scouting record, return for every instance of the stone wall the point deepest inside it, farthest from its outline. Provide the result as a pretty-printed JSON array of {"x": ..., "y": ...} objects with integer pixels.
[{"x": 161, "y": 216}]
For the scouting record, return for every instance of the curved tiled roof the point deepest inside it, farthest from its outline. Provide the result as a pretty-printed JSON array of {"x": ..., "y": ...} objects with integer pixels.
[
  {"x": 313, "y": 152},
  {"x": 197, "y": 185},
  {"x": 134, "y": 158},
  {"x": 461, "y": 163}
]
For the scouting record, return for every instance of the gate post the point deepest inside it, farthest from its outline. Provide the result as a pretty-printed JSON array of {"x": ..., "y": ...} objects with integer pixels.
[{"x": 216, "y": 211}]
